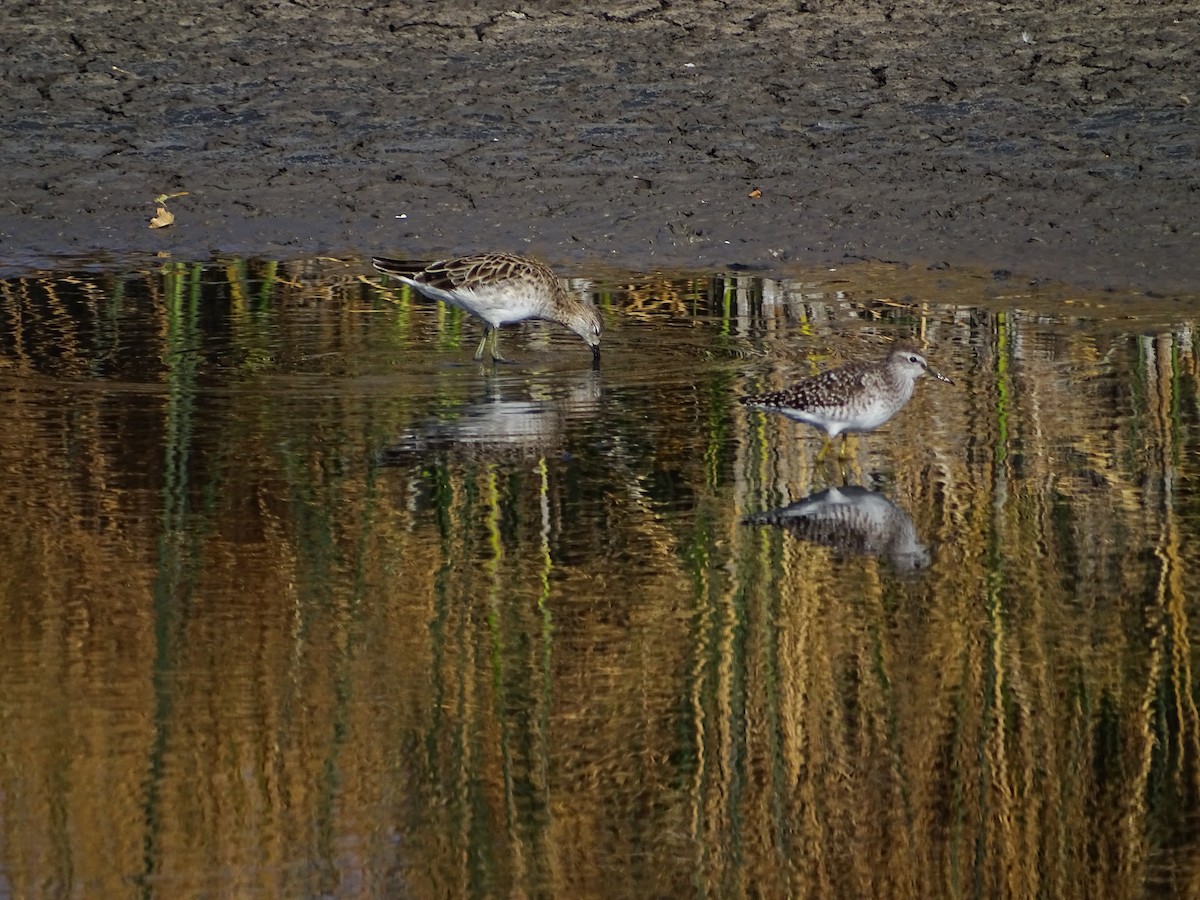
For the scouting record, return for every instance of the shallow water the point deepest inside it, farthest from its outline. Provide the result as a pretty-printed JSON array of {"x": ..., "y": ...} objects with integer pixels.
[{"x": 297, "y": 600}]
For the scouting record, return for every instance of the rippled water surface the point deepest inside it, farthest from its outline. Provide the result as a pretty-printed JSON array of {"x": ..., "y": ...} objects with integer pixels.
[{"x": 297, "y": 600}]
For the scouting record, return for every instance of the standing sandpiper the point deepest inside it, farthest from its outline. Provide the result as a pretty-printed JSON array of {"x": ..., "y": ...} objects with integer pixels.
[
  {"x": 859, "y": 396},
  {"x": 500, "y": 289}
]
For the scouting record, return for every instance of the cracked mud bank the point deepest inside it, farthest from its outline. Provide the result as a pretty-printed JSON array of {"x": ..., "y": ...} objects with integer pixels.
[{"x": 1054, "y": 140}]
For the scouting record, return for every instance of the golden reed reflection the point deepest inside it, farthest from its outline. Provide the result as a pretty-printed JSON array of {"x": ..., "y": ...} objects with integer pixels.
[{"x": 295, "y": 603}]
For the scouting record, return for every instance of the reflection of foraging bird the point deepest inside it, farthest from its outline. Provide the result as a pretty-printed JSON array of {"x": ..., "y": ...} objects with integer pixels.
[
  {"x": 859, "y": 396},
  {"x": 500, "y": 289},
  {"x": 531, "y": 417}
]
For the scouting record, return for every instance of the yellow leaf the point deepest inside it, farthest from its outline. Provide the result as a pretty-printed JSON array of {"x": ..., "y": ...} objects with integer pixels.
[{"x": 162, "y": 218}]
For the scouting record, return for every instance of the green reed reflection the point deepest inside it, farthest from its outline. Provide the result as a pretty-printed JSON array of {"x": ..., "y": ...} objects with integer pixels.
[
  {"x": 296, "y": 602},
  {"x": 177, "y": 545}
]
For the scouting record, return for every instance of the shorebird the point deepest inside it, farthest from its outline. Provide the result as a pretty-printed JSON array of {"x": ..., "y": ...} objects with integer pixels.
[
  {"x": 500, "y": 289},
  {"x": 859, "y": 396}
]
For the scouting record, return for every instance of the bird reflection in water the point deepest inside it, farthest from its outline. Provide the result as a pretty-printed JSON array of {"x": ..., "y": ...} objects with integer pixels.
[
  {"x": 525, "y": 419},
  {"x": 853, "y": 521}
]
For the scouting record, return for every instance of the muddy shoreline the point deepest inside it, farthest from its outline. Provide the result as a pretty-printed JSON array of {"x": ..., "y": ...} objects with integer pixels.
[{"x": 1053, "y": 143}]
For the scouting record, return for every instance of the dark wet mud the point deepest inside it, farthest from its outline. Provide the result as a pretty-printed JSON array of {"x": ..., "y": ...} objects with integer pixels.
[{"x": 1052, "y": 140}]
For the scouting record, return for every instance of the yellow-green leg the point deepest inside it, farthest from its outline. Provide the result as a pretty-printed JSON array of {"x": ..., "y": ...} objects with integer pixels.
[
  {"x": 494, "y": 335},
  {"x": 828, "y": 445},
  {"x": 824, "y": 449}
]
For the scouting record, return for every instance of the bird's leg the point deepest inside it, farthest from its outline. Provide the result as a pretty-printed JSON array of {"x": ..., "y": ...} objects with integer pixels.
[
  {"x": 496, "y": 345},
  {"x": 851, "y": 470},
  {"x": 842, "y": 448},
  {"x": 487, "y": 330},
  {"x": 824, "y": 449}
]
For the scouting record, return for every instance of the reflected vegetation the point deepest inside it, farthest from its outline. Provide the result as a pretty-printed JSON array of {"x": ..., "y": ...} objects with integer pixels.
[{"x": 296, "y": 601}]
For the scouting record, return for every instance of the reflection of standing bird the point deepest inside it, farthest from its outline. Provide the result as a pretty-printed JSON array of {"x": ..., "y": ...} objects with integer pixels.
[
  {"x": 854, "y": 521},
  {"x": 859, "y": 396},
  {"x": 500, "y": 289}
]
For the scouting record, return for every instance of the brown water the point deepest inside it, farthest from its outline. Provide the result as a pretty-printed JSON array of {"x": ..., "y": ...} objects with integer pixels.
[{"x": 297, "y": 600}]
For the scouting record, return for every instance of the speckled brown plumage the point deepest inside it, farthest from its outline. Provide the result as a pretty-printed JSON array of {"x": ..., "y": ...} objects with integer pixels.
[
  {"x": 859, "y": 396},
  {"x": 500, "y": 289}
]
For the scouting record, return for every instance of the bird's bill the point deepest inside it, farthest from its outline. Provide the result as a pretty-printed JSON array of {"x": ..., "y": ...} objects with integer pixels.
[
  {"x": 595, "y": 356},
  {"x": 939, "y": 376}
]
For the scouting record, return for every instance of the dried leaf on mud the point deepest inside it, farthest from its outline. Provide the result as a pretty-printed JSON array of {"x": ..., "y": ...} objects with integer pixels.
[{"x": 162, "y": 218}]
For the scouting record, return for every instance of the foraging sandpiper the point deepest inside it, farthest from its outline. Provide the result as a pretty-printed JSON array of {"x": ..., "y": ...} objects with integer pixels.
[
  {"x": 500, "y": 289},
  {"x": 859, "y": 396}
]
